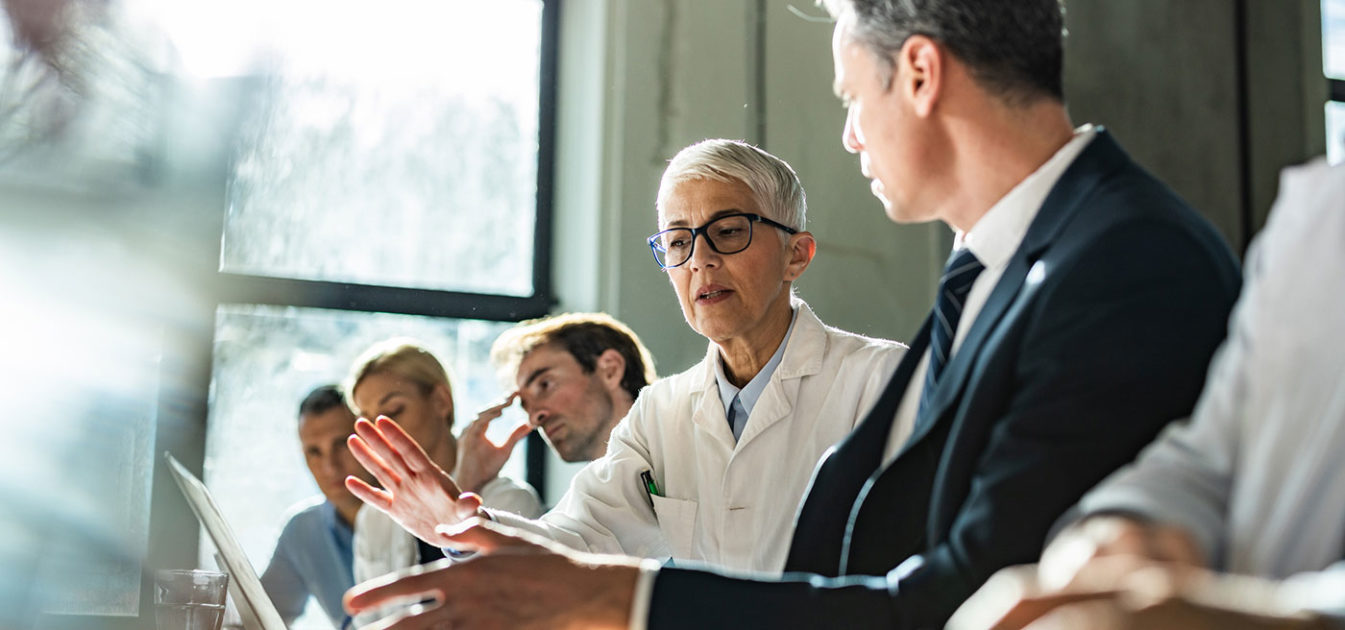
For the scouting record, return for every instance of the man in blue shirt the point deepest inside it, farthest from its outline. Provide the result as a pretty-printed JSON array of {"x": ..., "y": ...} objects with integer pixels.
[{"x": 313, "y": 555}]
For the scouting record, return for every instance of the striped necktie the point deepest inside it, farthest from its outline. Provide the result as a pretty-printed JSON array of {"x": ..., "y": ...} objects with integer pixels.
[{"x": 958, "y": 276}]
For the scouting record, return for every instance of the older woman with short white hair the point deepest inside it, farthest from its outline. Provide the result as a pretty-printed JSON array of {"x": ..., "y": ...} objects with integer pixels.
[{"x": 710, "y": 464}]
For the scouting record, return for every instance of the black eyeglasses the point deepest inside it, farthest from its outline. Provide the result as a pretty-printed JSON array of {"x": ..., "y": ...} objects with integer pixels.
[{"x": 728, "y": 234}]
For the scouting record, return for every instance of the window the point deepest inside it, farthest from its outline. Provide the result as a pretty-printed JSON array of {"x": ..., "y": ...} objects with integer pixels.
[
  {"x": 266, "y": 358},
  {"x": 387, "y": 163},
  {"x": 391, "y": 177},
  {"x": 1333, "y": 66}
]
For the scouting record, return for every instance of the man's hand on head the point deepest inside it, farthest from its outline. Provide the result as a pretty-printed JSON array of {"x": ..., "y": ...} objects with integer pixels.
[
  {"x": 514, "y": 581},
  {"x": 479, "y": 459},
  {"x": 415, "y": 491}
]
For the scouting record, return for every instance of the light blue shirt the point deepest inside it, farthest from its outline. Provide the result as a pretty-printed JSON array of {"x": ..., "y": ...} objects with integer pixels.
[
  {"x": 314, "y": 557},
  {"x": 738, "y": 403}
]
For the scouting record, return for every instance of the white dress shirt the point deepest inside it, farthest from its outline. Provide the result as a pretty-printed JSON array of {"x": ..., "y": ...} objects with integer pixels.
[{"x": 994, "y": 239}]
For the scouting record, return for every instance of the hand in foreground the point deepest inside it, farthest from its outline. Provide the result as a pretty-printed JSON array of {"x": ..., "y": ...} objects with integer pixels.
[
  {"x": 1019, "y": 597},
  {"x": 516, "y": 581},
  {"x": 1091, "y": 562},
  {"x": 1107, "y": 536},
  {"x": 415, "y": 491},
  {"x": 479, "y": 459},
  {"x": 1129, "y": 593}
]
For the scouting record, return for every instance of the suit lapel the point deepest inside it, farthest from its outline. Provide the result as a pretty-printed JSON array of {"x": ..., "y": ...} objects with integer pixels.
[
  {"x": 819, "y": 529},
  {"x": 878, "y": 512},
  {"x": 1100, "y": 157}
]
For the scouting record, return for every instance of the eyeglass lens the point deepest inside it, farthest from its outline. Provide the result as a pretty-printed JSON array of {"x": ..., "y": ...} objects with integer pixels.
[{"x": 727, "y": 235}]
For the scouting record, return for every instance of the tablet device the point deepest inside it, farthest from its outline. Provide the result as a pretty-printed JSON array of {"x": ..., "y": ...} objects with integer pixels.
[{"x": 254, "y": 607}]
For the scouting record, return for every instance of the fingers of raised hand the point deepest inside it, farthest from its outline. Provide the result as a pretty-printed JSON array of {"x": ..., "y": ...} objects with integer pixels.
[
  {"x": 492, "y": 412},
  {"x": 369, "y": 494},
  {"x": 376, "y": 436},
  {"x": 521, "y": 431},
  {"x": 407, "y": 452},
  {"x": 366, "y": 455}
]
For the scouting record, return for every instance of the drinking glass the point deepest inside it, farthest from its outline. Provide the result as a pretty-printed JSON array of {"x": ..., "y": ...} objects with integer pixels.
[{"x": 189, "y": 599}]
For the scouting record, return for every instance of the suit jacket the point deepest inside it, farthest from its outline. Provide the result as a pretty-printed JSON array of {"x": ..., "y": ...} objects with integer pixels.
[{"x": 1097, "y": 334}]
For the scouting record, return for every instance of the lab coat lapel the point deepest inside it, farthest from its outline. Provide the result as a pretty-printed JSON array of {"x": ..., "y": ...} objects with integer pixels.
[
  {"x": 804, "y": 350},
  {"x": 708, "y": 413}
]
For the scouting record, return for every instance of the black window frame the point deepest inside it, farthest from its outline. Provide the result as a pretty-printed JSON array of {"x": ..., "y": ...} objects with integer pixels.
[{"x": 1335, "y": 87}]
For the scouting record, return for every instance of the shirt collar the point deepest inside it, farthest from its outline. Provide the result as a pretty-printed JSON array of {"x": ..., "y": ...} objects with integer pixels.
[
  {"x": 998, "y": 234},
  {"x": 333, "y": 521},
  {"x": 752, "y": 390}
]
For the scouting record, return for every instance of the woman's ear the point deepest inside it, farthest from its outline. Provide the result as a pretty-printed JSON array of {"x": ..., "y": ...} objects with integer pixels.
[
  {"x": 442, "y": 399},
  {"x": 802, "y": 248}
]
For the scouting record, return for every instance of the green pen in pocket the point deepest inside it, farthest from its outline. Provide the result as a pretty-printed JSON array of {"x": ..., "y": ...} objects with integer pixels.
[{"x": 650, "y": 488}]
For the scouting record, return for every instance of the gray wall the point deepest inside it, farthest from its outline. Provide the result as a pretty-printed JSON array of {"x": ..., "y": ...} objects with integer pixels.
[
  {"x": 1162, "y": 76},
  {"x": 641, "y": 79}
]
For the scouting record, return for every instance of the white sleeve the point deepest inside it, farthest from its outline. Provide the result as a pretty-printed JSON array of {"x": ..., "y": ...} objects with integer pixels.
[
  {"x": 606, "y": 509},
  {"x": 380, "y": 546},
  {"x": 366, "y": 563},
  {"x": 503, "y": 493},
  {"x": 644, "y": 595},
  {"x": 1322, "y": 592}
]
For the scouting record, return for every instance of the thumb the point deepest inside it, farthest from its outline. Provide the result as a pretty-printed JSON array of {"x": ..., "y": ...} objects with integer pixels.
[
  {"x": 476, "y": 534},
  {"x": 521, "y": 431},
  {"x": 467, "y": 506}
]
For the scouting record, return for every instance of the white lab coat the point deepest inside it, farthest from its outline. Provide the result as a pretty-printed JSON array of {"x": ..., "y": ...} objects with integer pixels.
[{"x": 732, "y": 505}]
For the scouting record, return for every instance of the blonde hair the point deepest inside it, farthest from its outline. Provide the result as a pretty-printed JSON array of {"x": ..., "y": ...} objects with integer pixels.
[
  {"x": 404, "y": 358},
  {"x": 584, "y": 336}
]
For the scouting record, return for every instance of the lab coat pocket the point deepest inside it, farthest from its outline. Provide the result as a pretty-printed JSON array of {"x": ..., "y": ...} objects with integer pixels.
[{"x": 677, "y": 519}]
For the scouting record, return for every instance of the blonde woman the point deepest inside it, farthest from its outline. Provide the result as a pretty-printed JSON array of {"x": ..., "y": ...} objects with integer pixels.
[{"x": 400, "y": 379}]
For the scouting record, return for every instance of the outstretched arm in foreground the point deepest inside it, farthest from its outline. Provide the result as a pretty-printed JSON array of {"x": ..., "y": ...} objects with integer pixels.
[{"x": 517, "y": 581}]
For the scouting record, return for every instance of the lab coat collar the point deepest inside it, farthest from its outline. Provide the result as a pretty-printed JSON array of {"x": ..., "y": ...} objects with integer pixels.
[{"x": 804, "y": 350}]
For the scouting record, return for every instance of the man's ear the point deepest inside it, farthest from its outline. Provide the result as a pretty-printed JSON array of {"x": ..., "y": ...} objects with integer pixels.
[
  {"x": 610, "y": 367},
  {"x": 802, "y": 248},
  {"x": 920, "y": 66}
]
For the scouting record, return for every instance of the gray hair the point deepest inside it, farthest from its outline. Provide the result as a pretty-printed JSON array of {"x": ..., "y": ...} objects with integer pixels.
[
  {"x": 1013, "y": 48},
  {"x": 771, "y": 180}
]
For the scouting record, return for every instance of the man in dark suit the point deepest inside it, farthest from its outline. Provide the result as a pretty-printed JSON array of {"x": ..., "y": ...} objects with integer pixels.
[{"x": 1075, "y": 318}]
